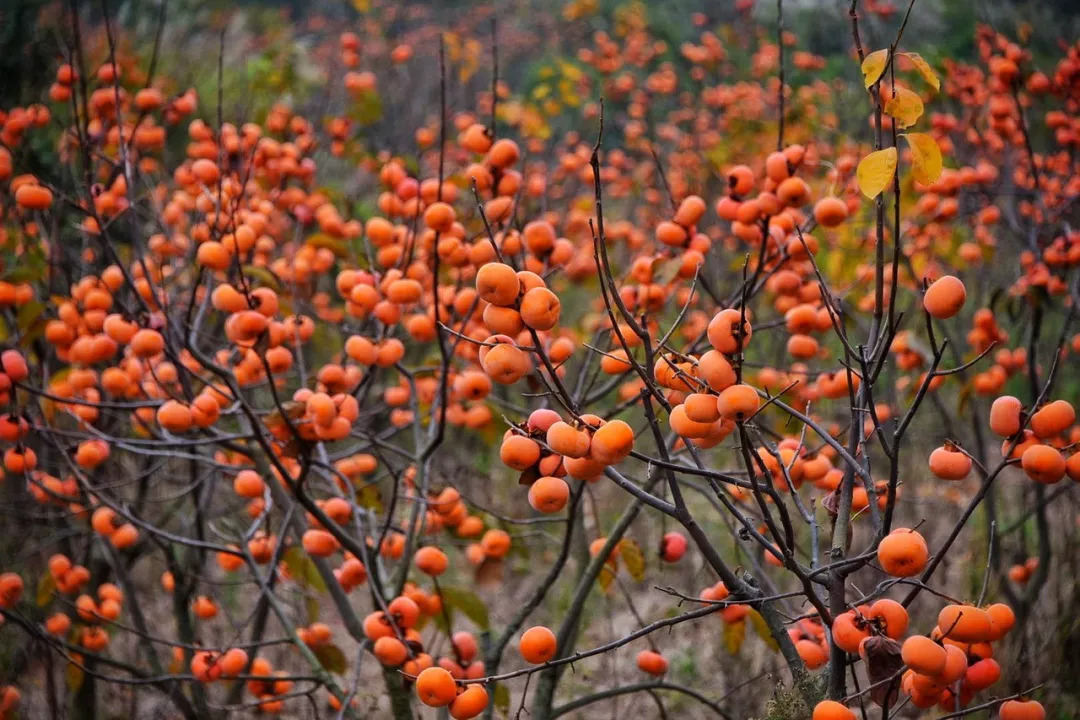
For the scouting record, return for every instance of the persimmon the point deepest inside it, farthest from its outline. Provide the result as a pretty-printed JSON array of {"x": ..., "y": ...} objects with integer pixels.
[
  {"x": 540, "y": 308},
  {"x": 1043, "y": 463},
  {"x": 390, "y": 651},
  {"x": 701, "y": 408},
  {"x": 652, "y": 662},
  {"x": 204, "y": 607},
  {"x": 849, "y": 630},
  {"x": 472, "y": 701},
  {"x": 724, "y": 333},
  {"x": 436, "y": 687},
  {"x": 519, "y": 452},
  {"x": 495, "y": 543},
  {"x": 34, "y": 197},
  {"x": 233, "y": 662},
  {"x": 1021, "y": 709},
  {"x": 58, "y": 624},
  {"x": 945, "y": 296},
  {"x": 404, "y": 611},
  {"x": 147, "y": 343},
  {"x": 1053, "y": 418},
  {"x": 923, "y": 655},
  {"x": 812, "y": 653},
  {"x": 248, "y": 484},
  {"x": 830, "y": 211},
  {"x": 548, "y": 494},
  {"x": 715, "y": 370},
  {"x": 124, "y": 536},
  {"x": 1072, "y": 466},
  {"x": 498, "y": 284},
  {"x": 204, "y": 666},
  {"x": 982, "y": 673},
  {"x": 1002, "y": 617},
  {"x": 11, "y": 588},
  {"x": 903, "y": 553},
  {"x": 14, "y": 365},
  {"x": 319, "y": 543},
  {"x": 505, "y": 363},
  {"x": 431, "y": 561},
  {"x": 503, "y": 153},
  {"x": 738, "y": 402},
  {"x": 567, "y": 440},
  {"x": 537, "y": 645},
  {"x": 832, "y": 710},
  {"x": 965, "y": 623},
  {"x": 891, "y": 616},
  {"x": 949, "y": 463}
]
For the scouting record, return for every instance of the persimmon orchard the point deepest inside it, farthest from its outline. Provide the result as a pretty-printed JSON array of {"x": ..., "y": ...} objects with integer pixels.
[{"x": 302, "y": 420}]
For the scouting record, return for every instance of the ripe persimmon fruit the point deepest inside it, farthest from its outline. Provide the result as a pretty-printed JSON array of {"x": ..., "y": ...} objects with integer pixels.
[{"x": 537, "y": 645}]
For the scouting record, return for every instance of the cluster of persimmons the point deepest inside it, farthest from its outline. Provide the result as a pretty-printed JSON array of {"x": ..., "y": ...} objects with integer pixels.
[{"x": 223, "y": 308}]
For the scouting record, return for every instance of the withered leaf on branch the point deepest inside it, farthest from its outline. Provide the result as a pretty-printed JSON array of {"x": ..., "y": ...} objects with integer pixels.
[
  {"x": 831, "y": 503},
  {"x": 528, "y": 477},
  {"x": 883, "y": 662},
  {"x": 489, "y": 573}
]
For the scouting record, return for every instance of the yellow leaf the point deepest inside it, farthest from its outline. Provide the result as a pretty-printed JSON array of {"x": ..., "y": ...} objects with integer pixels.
[
  {"x": 631, "y": 554},
  {"x": 46, "y": 589},
  {"x": 875, "y": 171},
  {"x": 734, "y": 634},
  {"x": 925, "y": 157},
  {"x": 905, "y": 106},
  {"x": 762, "y": 629},
  {"x": 606, "y": 577},
  {"x": 873, "y": 65},
  {"x": 925, "y": 70}
]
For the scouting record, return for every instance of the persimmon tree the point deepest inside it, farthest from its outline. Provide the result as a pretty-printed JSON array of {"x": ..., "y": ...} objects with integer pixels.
[{"x": 244, "y": 411}]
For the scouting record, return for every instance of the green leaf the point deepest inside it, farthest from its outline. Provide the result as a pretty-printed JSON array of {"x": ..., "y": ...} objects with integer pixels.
[
  {"x": 441, "y": 621},
  {"x": 734, "y": 634},
  {"x": 762, "y": 630},
  {"x": 332, "y": 658},
  {"x": 664, "y": 271},
  {"x": 73, "y": 675},
  {"x": 926, "y": 161},
  {"x": 634, "y": 558},
  {"x": 502, "y": 698},
  {"x": 606, "y": 577},
  {"x": 875, "y": 171},
  {"x": 905, "y": 106},
  {"x": 873, "y": 65},
  {"x": 27, "y": 314},
  {"x": 468, "y": 603},
  {"x": 925, "y": 70},
  {"x": 325, "y": 343},
  {"x": 369, "y": 497},
  {"x": 338, "y": 246},
  {"x": 263, "y": 276},
  {"x": 28, "y": 267},
  {"x": 46, "y": 587},
  {"x": 311, "y": 607},
  {"x": 303, "y": 569}
]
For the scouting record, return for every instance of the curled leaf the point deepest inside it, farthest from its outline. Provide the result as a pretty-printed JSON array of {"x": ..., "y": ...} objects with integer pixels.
[
  {"x": 467, "y": 602},
  {"x": 332, "y": 658},
  {"x": 606, "y": 577},
  {"x": 925, "y": 70},
  {"x": 734, "y": 634},
  {"x": 925, "y": 157},
  {"x": 762, "y": 629},
  {"x": 905, "y": 106},
  {"x": 875, "y": 171},
  {"x": 873, "y": 65},
  {"x": 634, "y": 558},
  {"x": 883, "y": 663}
]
